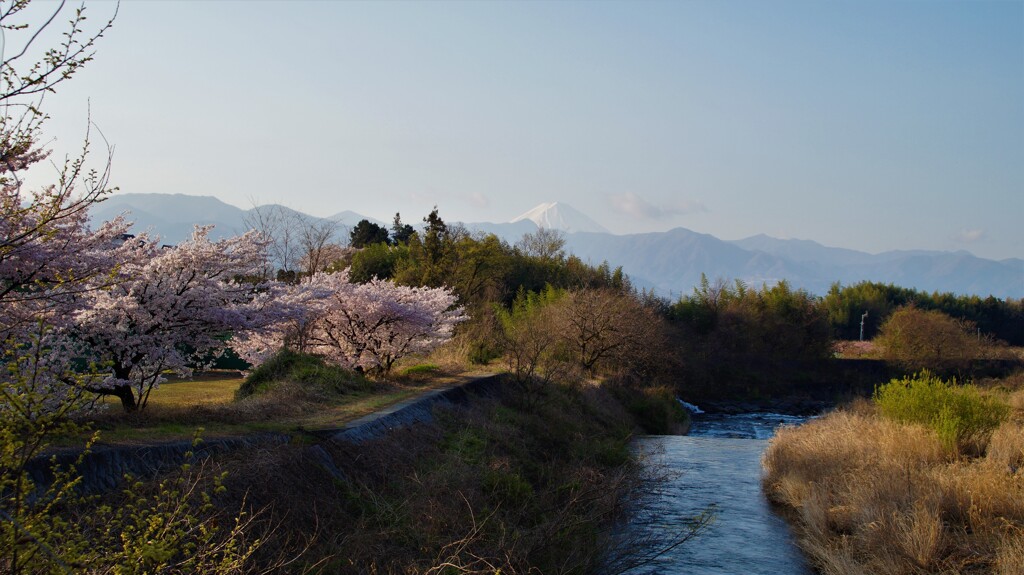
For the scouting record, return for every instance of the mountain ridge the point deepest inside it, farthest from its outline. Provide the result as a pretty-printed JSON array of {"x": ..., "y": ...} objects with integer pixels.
[{"x": 670, "y": 263}]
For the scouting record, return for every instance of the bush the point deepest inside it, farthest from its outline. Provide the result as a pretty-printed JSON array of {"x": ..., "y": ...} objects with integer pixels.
[
  {"x": 928, "y": 339},
  {"x": 376, "y": 261},
  {"x": 306, "y": 370},
  {"x": 482, "y": 353},
  {"x": 958, "y": 413}
]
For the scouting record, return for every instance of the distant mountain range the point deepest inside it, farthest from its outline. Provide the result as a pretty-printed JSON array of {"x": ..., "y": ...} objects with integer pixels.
[
  {"x": 173, "y": 216},
  {"x": 669, "y": 262}
]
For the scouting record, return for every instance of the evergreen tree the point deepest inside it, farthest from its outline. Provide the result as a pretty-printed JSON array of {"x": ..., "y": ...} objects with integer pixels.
[{"x": 368, "y": 233}]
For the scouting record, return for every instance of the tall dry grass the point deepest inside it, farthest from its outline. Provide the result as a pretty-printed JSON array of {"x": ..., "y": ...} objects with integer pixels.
[{"x": 868, "y": 495}]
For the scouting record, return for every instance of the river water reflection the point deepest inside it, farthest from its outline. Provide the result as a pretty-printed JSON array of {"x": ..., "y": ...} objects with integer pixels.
[{"x": 717, "y": 467}]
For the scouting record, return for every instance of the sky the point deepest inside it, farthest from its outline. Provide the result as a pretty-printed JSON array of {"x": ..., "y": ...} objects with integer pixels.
[{"x": 867, "y": 125}]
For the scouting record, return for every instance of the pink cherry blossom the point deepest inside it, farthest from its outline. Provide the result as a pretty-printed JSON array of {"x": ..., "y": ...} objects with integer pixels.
[
  {"x": 169, "y": 308},
  {"x": 362, "y": 326}
]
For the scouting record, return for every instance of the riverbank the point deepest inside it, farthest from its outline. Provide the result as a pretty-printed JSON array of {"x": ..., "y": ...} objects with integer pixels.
[
  {"x": 105, "y": 464},
  {"x": 793, "y": 387},
  {"x": 510, "y": 482},
  {"x": 867, "y": 493}
]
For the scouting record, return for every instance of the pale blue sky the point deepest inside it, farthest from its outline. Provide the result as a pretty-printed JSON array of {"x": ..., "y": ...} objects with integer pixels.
[{"x": 868, "y": 125}]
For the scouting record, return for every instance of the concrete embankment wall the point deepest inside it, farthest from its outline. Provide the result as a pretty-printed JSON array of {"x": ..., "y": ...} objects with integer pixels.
[{"x": 104, "y": 467}]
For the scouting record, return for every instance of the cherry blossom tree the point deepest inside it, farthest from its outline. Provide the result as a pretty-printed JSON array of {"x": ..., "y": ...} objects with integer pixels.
[
  {"x": 51, "y": 264},
  {"x": 48, "y": 252},
  {"x": 171, "y": 307},
  {"x": 289, "y": 325},
  {"x": 366, "y": 326},
  {"x": 370, "y": 326}
]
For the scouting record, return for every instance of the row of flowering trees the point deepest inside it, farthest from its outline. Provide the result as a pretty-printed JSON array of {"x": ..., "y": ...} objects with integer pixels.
[
  {"x": 135, "y": 310},
  {"x": 99, "y": 311}
]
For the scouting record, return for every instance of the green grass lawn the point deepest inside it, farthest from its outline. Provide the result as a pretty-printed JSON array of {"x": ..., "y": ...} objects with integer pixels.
[
  {"x": 208, "y": 389},
  {"x": 203, "y": 389}
]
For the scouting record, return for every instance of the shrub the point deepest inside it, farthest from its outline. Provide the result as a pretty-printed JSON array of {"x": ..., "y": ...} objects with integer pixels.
[
  {"x": 923, "y": 339},
  {"x": 482, "y": 353},
  {"x": 958, "y": 413},
  {"x": 507, "y": 487},
  {"x": 307, "y": 370}
]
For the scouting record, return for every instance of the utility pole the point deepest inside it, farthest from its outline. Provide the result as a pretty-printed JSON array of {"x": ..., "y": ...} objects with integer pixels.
[{"x": 862, "y": 318}]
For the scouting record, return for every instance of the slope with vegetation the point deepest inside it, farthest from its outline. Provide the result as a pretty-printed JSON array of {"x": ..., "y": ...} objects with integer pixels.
[{"x": 511, "y": 482}]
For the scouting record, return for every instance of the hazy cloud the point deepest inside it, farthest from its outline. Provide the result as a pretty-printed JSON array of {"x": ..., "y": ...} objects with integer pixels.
[
  {"x": 427, "y": 197},
  {"x": 633, "y": 205},
  {"x": 970, "y": 236},
  {"x": 478, "y": 200}
]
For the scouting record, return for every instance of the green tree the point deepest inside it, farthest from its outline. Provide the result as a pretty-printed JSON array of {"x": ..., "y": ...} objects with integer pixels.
[
  {"x": 435, "y": 238},
  {"x": 729, "y": 322},
  {"x": 532, "y": 342},
  {"x": 367, "y": 233},
  {"x": 846, "y": 307},
  {"x": 376, "y": 261},
  {"x": 1002, "y": 319},
  {"x": 400, "y": 232}
]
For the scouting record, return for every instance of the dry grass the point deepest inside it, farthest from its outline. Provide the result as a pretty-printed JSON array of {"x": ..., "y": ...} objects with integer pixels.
[
  {"x": 1006, "y": 447},
  {"x": 872, "y": 496}
]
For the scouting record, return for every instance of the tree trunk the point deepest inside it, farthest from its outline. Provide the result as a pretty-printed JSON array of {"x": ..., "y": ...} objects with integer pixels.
[{"x": 127, "y": 397}]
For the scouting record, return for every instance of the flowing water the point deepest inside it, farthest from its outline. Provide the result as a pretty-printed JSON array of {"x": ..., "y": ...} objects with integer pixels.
[{"x": 716, "y": 468}]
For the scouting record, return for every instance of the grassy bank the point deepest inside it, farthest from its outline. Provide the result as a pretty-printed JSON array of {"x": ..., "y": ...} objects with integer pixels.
[
  {"x": 500, "y": 485},
  {"x": 917, "y": 481}
]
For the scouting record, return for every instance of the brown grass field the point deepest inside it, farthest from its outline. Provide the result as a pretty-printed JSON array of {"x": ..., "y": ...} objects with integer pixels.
[{"x": 868, "y": 495}]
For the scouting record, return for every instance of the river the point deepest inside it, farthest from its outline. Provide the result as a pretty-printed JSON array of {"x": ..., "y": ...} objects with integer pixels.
[{"x": 716, "y": 468}]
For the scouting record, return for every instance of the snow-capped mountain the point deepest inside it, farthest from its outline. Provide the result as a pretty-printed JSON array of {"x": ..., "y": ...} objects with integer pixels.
[{"x": 559, "y": 216}]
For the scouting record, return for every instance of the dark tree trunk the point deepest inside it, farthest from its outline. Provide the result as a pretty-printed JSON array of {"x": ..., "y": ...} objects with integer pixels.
[{"x": 127, "y": 397}]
